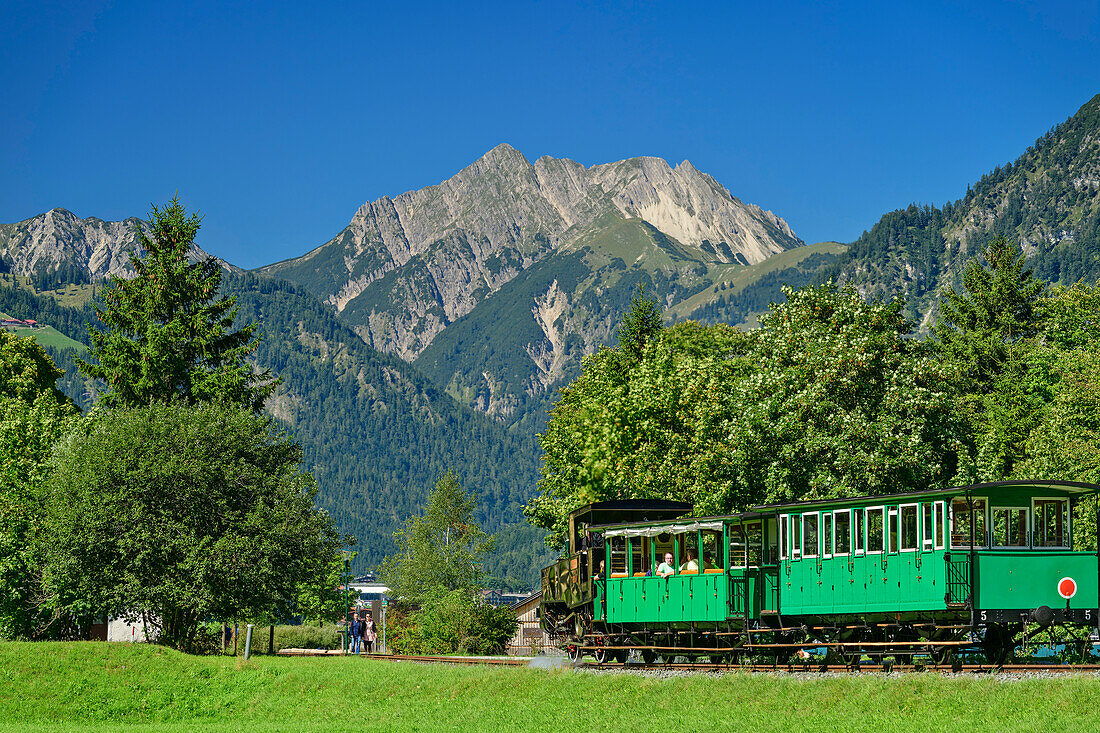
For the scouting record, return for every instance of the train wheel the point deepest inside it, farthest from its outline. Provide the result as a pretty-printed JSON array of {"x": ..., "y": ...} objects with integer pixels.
[
  {"x": 601, "y": 656},
  {"x": 621, "y": 655},
  {"x": 997, "y": 644},
  {"x": 573, "y": 651},
  {"x": 649, "y": 656}
]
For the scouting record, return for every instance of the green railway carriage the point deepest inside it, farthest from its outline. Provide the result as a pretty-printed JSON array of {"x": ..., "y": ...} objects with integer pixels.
[
  {"x": 998, "y": 549},
  {"x": 922, "y": 572}
]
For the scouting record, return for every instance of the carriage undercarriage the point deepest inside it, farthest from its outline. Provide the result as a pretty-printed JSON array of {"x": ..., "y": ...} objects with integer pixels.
[{"x": 939, "y": 638}]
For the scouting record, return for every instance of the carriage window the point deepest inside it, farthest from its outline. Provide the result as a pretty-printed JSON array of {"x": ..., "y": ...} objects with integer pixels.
[
  {"x": 1051, "y": 523},
  {"x": 941, "y": 525},
  {"x": 827, "y": 534},
  {"x": 771, "y": 550},
  {"x": 909, "y": 527},
  {"x": 927, "y": 527},
  {"x": 796, "y": 536},
  {"x": 662, "y": 545},
  {"x": 689, "y": 551},
  {"x": 809, "y": 535},
  {"x": 1009, "y": 527},
  {"x": 754, "y": 540},
  {"x": 874, "y": 529},
  {"x": 711, "y": 554},
  {"x": 784, "y": 523},
  {"x": 737, "y": 546},
  {"x": 960, "y": 522},
  {"x": 843, "y": 524},
  {"x": 618, "y": 556},
  {"x": 892, "y": 529},
  {"x": 639, "y": 555}
]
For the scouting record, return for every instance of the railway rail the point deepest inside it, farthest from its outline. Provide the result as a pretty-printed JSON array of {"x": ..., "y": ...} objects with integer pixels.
[{"x": 808, "y": 666}]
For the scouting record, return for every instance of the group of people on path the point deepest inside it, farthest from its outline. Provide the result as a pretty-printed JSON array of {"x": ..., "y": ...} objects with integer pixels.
[{"x": 363, "y": 633}]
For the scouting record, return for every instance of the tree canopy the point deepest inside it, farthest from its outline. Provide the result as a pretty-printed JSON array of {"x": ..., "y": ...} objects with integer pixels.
[
  {"x": 33, "y": 416},
  {"x": 176, "y": 513},
  {"x": 829, "y": 397},
  {"x": 441, "y": 549},
  {"x": 842, "y": 403},
  {"x": 168, "y": 332},
  {"x": 976, "y": 329},
  {"x": 434, "y": 578}
]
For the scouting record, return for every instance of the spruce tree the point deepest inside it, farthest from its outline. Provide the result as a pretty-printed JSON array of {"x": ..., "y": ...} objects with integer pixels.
[
  {"x": 640, "y": 326},
  {"x": 976, "y": 330},
  {"x": 168, "y": 332}
]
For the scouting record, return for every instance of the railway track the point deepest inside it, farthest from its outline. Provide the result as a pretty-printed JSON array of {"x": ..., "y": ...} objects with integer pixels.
[{"x": 808, "y": 667}]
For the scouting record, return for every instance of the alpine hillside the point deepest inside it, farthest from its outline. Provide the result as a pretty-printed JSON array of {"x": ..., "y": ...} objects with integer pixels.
[
  {"x": 1047, "y": 200},
  {"x": 375, "y": 432},
  {"x": 498, "y": 280}
]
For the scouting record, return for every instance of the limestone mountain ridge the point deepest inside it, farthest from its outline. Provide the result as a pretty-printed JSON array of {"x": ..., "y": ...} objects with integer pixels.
[
  {"x": 405, "y": 268},
  {"x": 85, "y": 249}
]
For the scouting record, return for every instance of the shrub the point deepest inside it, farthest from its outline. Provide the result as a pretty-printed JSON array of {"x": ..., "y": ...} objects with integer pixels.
[
  {"x": 305, "y": 637},
  {"x": 452, "y": 623}
]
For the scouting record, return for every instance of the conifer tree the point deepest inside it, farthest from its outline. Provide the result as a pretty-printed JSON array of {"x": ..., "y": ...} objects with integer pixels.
[
  {"x": 976, "y": 330},
  {"x": 168, "y": 333},
  {"x": 640, "y": 326}
]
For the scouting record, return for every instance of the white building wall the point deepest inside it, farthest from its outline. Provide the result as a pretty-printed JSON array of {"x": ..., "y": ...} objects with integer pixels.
[{"x": 121, "y": 630}]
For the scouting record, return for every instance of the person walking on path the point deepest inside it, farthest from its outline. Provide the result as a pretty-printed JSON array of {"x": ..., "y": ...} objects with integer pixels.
[
  {"x": 370, "y": 632},
  {"x": 355, "y": 633}
]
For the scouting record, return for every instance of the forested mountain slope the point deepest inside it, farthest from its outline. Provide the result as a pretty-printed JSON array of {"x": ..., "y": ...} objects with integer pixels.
[
  {"x": 1048, "y": 200},
  {"x": 375, "y": 433}
]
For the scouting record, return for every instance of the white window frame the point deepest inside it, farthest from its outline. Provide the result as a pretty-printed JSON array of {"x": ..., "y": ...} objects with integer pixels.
[
  {"x": 926, "y": 544},
  {"x": 939, "y": 529},
  {"x": 803, "y": 518},
  {"x": 859, "y": 531},
  {"x": 784, "y": 530},
  {"x": 901, "y": 528},
  {"x": 826, "y": 543},
  {"x": 848, "y": 545},
  {"x": 796, "y": 547},
  {"x": 891, "y": 511},
  {"x": 867, "y": 530},
  {"x": 989, "y": 529},
  {"x": 1067, "y": 533}
]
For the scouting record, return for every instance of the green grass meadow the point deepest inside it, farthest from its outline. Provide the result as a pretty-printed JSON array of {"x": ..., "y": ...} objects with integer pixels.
[{"x": 99, "y": 686}]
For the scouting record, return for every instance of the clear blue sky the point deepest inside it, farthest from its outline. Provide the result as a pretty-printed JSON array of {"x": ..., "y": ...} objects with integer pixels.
[{"x": 277, "y": 120}]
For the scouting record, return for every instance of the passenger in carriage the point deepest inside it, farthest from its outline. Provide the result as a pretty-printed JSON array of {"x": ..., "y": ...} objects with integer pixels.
[
  {"x": 665, "y": 569},
  {"x": 690, "y": 566}
]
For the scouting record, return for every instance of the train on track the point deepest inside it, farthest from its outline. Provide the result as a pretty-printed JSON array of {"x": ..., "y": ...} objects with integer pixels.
[{"x": 968, "y": 572}]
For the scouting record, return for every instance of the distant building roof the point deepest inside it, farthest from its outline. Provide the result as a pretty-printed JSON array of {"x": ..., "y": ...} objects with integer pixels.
[{"x": 537, "y": 595}]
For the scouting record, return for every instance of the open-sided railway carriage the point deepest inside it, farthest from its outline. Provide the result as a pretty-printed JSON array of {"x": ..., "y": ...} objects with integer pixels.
[{"x": 978, "y": 569}]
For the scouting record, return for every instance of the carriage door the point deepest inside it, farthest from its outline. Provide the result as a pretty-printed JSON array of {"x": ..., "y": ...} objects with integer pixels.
[
  {"x": 738, "y": 571},
  {"x": 775, "y": 535}
]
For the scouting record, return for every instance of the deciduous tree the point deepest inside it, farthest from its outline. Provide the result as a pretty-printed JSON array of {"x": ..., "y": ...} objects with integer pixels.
[
  {"x": 33, "y": 415},
  {"x": 441, "y": 549},
  {"x": 175, "y": 513}
]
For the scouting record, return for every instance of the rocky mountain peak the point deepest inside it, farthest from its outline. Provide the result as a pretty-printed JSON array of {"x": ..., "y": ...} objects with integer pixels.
[
  {"x": 59, "y": 239},
  {"x": 405, "y": 268}
]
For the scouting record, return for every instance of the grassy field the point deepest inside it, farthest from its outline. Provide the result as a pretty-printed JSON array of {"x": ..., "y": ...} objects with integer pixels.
[
  {"x": 96, "y": 686},
  {"x": 49, "y": 336}
]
